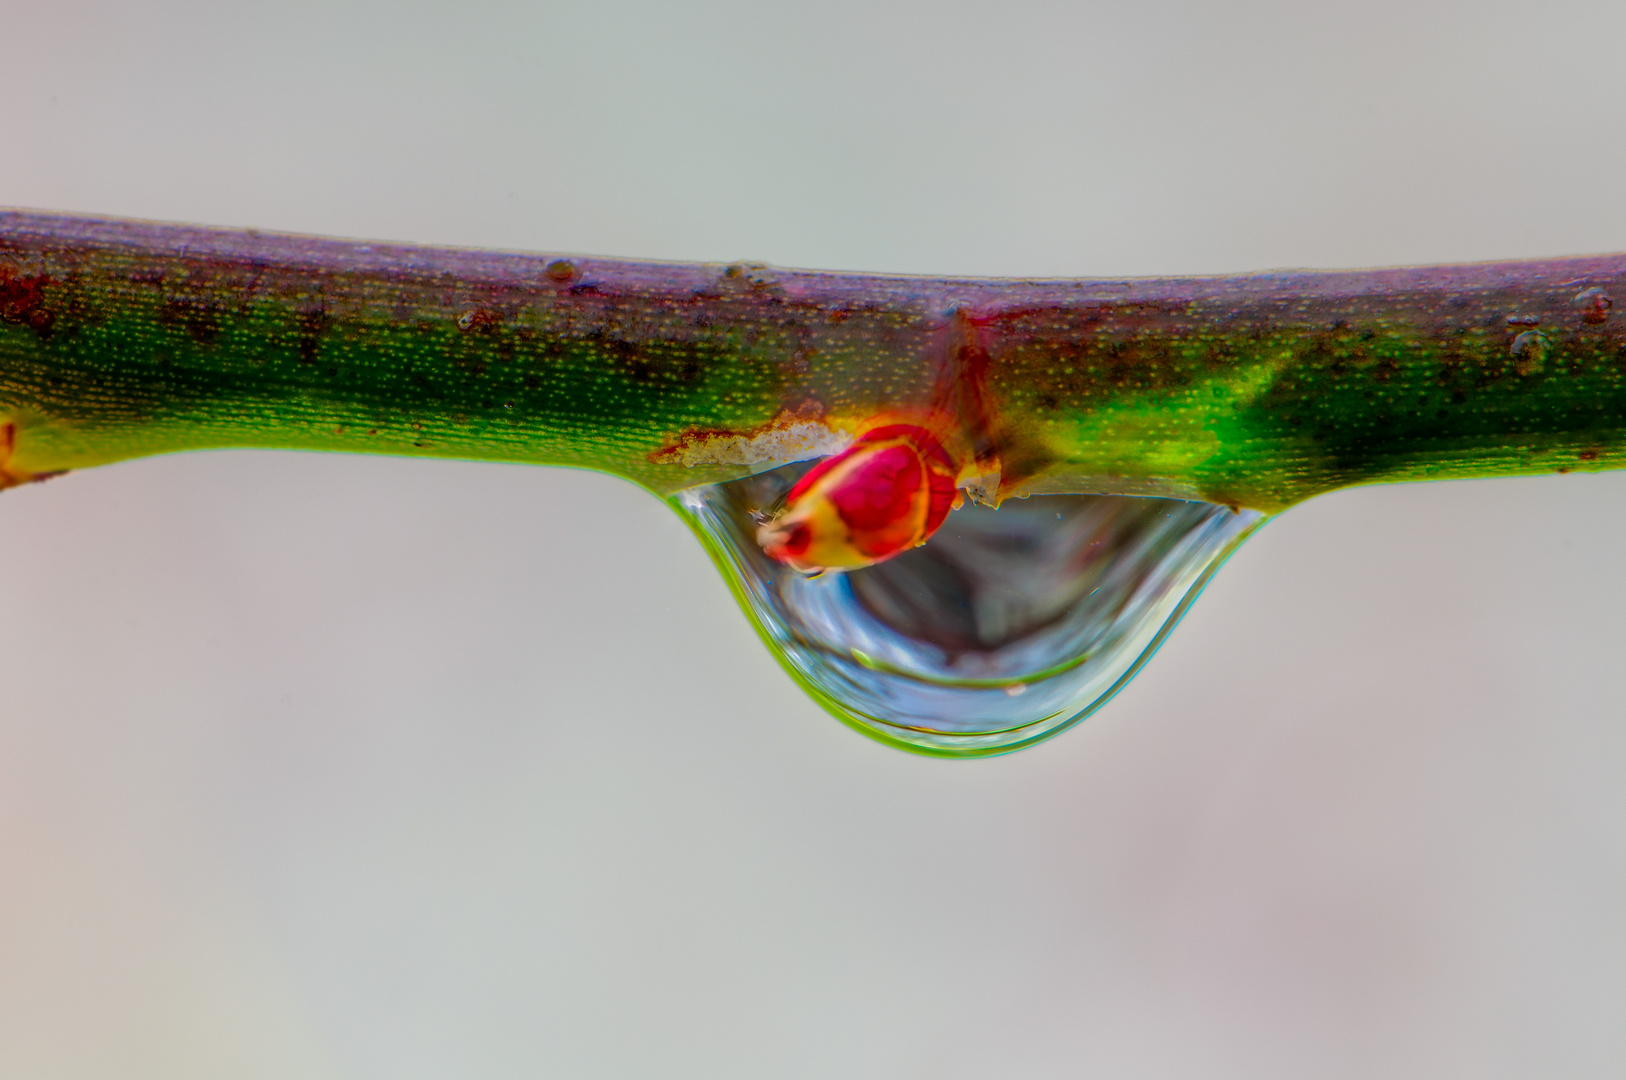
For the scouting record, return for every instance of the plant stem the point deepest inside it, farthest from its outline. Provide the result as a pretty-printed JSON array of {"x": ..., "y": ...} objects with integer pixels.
[{"x": 120, "y": 339}]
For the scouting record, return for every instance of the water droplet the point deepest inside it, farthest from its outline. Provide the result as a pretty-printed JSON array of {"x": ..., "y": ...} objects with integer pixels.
[
  {"x": 1004, "y": 628},
  {"x": 1595, "y": 305},
  {"x": 1524, "y": 320},
  {"x": 561, "y": 270},
  {"x": 1528, "y": 350}
]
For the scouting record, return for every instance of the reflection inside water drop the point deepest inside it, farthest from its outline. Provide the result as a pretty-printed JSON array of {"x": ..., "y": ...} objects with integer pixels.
[{"x": 1007, "y": 626}]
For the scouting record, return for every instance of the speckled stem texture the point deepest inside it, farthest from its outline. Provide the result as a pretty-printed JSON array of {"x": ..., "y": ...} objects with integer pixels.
[{"x": 120, "y": 339}]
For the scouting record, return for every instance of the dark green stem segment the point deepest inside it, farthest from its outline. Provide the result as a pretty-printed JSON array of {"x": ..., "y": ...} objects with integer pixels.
[{"x": 120, "y": 339}]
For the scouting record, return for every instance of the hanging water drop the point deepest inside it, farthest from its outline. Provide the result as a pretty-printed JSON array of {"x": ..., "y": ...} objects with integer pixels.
[{"x": 1005, "y": 628}]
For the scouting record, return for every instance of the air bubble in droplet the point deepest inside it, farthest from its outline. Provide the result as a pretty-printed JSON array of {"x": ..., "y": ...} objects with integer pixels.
[{"x": 1004, "y": 628}]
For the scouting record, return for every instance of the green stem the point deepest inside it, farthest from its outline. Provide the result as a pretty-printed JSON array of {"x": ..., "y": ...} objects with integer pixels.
[{"x": 120, "y": 339}]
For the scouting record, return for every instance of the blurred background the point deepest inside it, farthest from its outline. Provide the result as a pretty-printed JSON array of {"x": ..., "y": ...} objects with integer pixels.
[{"x": 365, "y": 768}]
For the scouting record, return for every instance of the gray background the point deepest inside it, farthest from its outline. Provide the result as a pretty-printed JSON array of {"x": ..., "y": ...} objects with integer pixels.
[{"x": 363, "y": 768}]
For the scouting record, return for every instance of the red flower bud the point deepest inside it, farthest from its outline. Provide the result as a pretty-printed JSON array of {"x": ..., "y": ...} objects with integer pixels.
[{"x": 884, "y": 494}]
